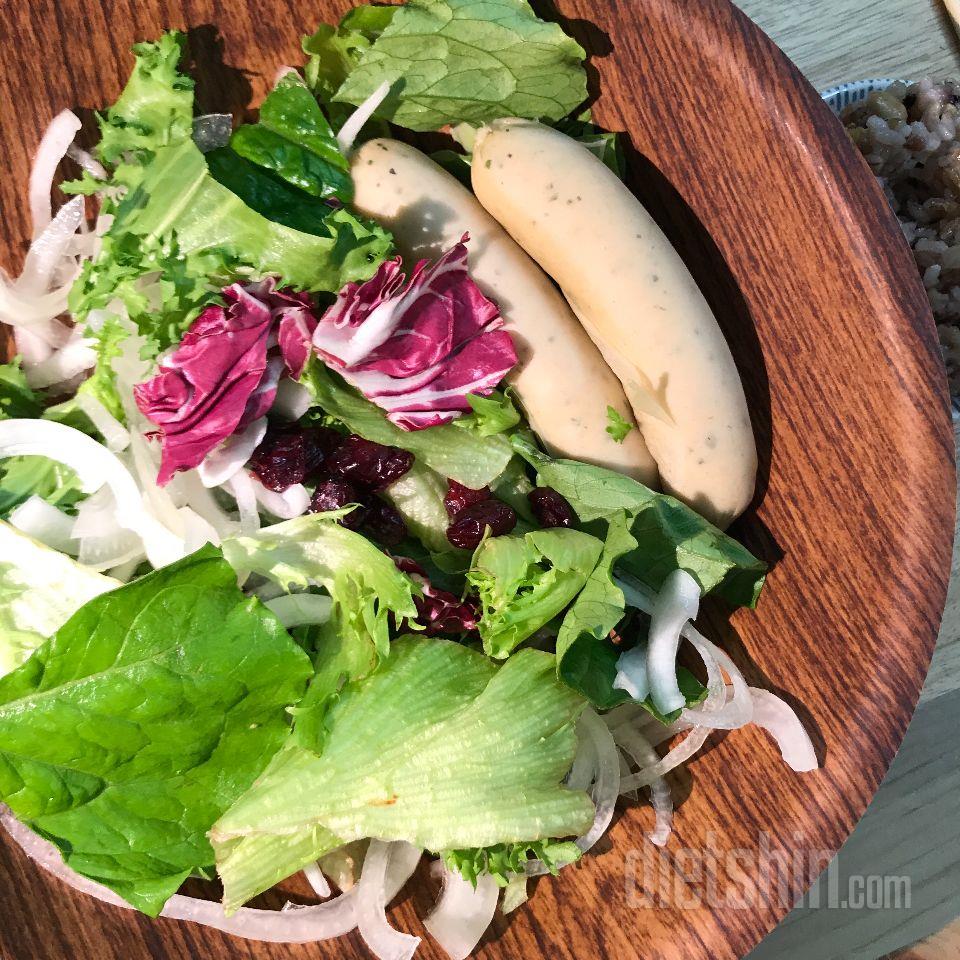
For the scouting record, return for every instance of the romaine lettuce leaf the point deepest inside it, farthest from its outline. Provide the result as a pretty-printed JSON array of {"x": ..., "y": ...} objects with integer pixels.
[
  {"x": 294, "y": 140},
  {"x": 40, "y": 589},
  {"x": 129, "y": 732},
  {"x": 460, "y": 455},
  {"x": 458, "y": 60},
  {"x": 438, "y": 747},
  {"x": 523, "y": 582}
]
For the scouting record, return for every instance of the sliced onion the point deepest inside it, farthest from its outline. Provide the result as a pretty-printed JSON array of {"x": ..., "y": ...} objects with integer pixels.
[
  {"x": 371, "y": 900},
  {"x": 201, "y": 500},
  {"x": 196, "y": 531},
  {"x": 317, "y": 880},
  {"x": 44, "y": 522},
  {"x": 515, "y": 893},
  {"x": 297, "y": 609},
  {"x": 584, "y": 769},
  {"x": 739, "y": 710},
  {"x": 52, "y": 244},
  {"x": 292, "y": 401},
  {"x": 114, "y": 433},
  {"x": 641, "y": 751},
  {"x": 75, "y": 357},
  {"x": 293, "y": 502},
  {"x": 606, "y": 786},
  {"x": 462, "y": 913},
  {"x": 677, "y": 604},
  {"x": 350, "y": 130},
  {"x": 632, "y": 675},
  {"x": 241, "y": 486},
  {"x": 86, "y": 161},
  {"x": 53, "y": 147},
  {"x": 225, "y": 460},
  {"x": 95, "y": 465},
  {"x": 35, "y": 313},
  {"x": 782, "y": 723}
]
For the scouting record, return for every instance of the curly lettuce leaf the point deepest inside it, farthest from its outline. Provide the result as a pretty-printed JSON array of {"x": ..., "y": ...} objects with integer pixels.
[
  {"x": 461, "y": 455},
  {"x": 453, "y": 61},
  {"x": 40, "y": 589},
  {"x": 294, "y": 140},
  {"x": 438, "y": 747},
  {"x": 490, "y": 415},
  {"x": 523, "y": 582},
  {"x": 617, "y": 427},
  {"x": 504, "y": 861},
  {"x": 149, "y": 712}
]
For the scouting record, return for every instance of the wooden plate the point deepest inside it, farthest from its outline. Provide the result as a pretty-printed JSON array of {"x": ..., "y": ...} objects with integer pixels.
[{"x": 789, "y": 234}]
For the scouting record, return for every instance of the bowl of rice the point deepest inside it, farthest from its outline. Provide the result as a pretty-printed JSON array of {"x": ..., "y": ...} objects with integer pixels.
[{"x": 909, "y": 133}]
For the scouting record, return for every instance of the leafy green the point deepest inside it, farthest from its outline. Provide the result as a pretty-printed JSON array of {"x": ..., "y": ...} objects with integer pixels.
[
  {"x": 335, "y": 51},
  {"x": 523, "y": 582},
  {"x": 459, "y": 60},
  {"x": 617, "y": 427},
  {"x": 438, "y": 747},
  {"x": 491, "y": 415},
  {"x": 692, "y": 689},
  {"x": 101, "y": 384},
  {"x": 418, "y": 496},
  {"x": 603, "y": 145},
  {"x": 155, "y": 107},
  {"x": 461, "y": 455},
  {"x": 505, "y": 860},
  {"x": 365, "y": 584},
  {"x": 129, "y": 732},
  {"x": 17, "y": 399},
  {"x": 669, "y": 535},
  {"x": 294, "y": 140},
  {"x": 25, "y": 477},
  {"x": 40, "y": 589},
  {"x": 457, "y": 164}
]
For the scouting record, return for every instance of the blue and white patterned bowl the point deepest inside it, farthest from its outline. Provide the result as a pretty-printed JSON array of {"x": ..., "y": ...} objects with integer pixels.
[{"x": 840, "y": 97}]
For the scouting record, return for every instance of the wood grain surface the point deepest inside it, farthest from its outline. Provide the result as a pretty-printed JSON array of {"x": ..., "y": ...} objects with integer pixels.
[{"x": 791, "y": 239}]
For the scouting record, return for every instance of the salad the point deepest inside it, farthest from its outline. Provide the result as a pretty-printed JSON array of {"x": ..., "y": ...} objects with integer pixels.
[{"x": 332, "y": 534}]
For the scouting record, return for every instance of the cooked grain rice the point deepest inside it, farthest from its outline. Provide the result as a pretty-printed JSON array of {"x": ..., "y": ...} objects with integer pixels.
[{"x": 909, "y": 136}]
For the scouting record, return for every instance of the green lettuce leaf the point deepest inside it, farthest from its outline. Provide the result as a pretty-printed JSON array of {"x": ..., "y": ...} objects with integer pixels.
[
  {"x": 523, "y": 582},
  {"x": 294, "y": 140},
  {"x": 149, "y": 712},
  {"x": 438, "y": 747},
  {"x": 491, "y": 415},
  {"x": 364, "y": 583},
  {"x": 603, "y": 145},
  {"x": 418, "y": 496},
  {"x": 504, "y": 861},
  {"x": 669, "y": 534},
  {"x": 25, "y": 477},
  {"x": 458, "y": 60},
  {"x": 17, "y": 399},
  {"x": 461, "y": 455},
  {"x": 40, "y": 589}
]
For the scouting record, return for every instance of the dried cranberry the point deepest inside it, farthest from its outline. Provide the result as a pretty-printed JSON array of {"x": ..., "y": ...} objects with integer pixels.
[
  {"x": 471, "y": 523},
  {"x": 334, "y": 494},
  {"x": 368, "y": 464},
  {"x": 551, "y": 508},
  {"x": 292, "y": 455},
  {"x": 458, "y": 497},
  {"x": 383, "y": 524}
]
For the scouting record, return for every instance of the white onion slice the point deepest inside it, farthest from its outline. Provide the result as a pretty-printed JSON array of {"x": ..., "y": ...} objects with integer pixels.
[
  {"x": 48, "y": 250},
  {"x": 53, "y": 147},
  {"x": 241, "y": 486},
  {"x": 317, "y": 880},
  {"x": 677, "y": 604},
  {"x": 301, "y": 925},
  {"x": 739, "y": 710},
  {"x": 218, "y": 466},
  {"x": 641, "y": 751},
  {"x": 292, "y": 401},
  {"x": 292, "y": 502},
  {"x": 87, "y": 162},
  {"x": 76, "y": 356},
  {"x": 202, "y": 501},
  {"x": 632, "y": 675},
  {"x": 95, "y": 465},
  {"x": 297, "y": 609},
  {"x": 370, "y": 901},
  {"x": 462, "y": 913},
  {"x": 782, "y": 723},
  {"x": 606, "y": 786},
  {"x": 115, "y": 434},
  {"x": 349, "y": 131},
  {"x": 584, "y": 769},
  {"x": 44, "y": 522}
]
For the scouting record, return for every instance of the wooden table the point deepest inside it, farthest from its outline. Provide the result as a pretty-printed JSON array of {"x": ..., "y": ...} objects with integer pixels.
[{"x": 913, "y": 826}]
